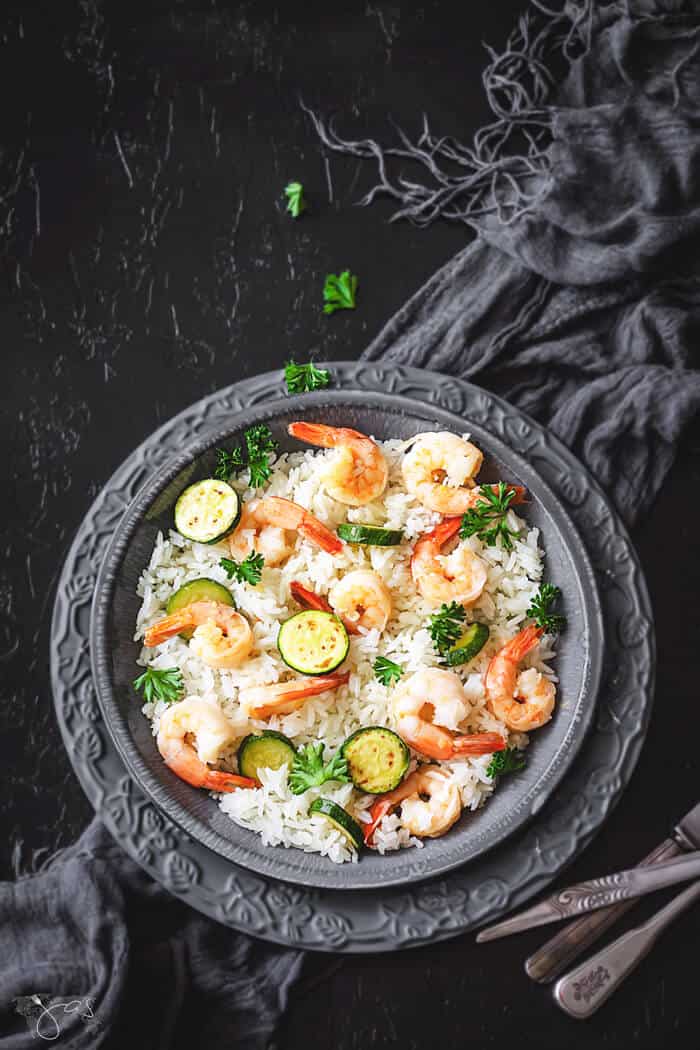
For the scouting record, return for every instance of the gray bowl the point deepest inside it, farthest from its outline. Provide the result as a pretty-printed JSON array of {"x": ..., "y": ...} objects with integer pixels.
[{"x": 517, "y": 799}]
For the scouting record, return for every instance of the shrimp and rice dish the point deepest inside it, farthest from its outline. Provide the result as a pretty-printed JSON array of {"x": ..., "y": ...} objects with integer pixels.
[{"x": 348, "y": 650}]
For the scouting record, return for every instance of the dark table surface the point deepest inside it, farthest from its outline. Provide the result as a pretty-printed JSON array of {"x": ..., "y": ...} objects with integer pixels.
[{"x": 148, "y": 260}]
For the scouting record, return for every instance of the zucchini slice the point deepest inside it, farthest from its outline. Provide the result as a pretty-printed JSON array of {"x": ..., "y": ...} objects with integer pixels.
[
  {"x": 266, "y": 750},
  {"x": 313, "y": 642},
  {"x": 207, "y": 511},
  {"x": 200, "y": 590},
  {"x": 370, "y": 535},
  {"x": 377, "y": 759},
  {"x": 471, "y": 642},
  {"x": 341, "y": 819}
]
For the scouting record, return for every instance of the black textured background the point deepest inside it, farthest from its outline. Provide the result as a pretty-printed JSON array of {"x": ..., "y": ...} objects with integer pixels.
[{"x": 147, "y": 260}]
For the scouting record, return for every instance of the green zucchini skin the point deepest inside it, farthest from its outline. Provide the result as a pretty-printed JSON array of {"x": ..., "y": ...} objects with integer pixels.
[
  {"x": 369, "y": 535},
  {"x": 313, "y": 642},
  {"x": 207, "y": 511},
  {"x": 377, "y": 759},
  {"x": 200, "y": 590},
  {"x": 266, "y": 750},
  {"x": 341, "y": 819},
  {"x": 468, "y": 645}
]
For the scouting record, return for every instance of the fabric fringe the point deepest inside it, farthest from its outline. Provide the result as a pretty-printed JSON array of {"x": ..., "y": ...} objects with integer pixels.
[{"x": 506, "y": 170}]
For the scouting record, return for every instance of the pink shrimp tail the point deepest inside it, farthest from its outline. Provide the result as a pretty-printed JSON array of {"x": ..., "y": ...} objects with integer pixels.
[
  {"x": 317, "y": 532},
  {"x": 437, "y": 537},
  {"x": 444, "y": 531},
  {"x": 317, "y": 684},
  {"x": 377, "y": 812},
  {"x": 217, "y": 780},
  {"x": 324, "y": 436},
  {"x": 310, "y": 600},
  {"x": 523, "y": 642},
  {"x": 168, "y": 627},
  {"x": 509, "y": 656},
  {"x": 386, "y": 803},
  {"x": 478, "y": 743},
  {"x": 315, "y": 433}
]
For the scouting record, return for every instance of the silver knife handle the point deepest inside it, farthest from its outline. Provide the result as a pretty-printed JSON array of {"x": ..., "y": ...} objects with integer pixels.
[
  {"x": 581, "y": 992},
  {"x": 561, "y": 950},
  {"x": 634, "y": 882},
  {"x": 593, "y": 893}
]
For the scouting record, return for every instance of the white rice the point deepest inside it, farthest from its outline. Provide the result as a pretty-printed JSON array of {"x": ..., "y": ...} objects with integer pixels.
[{"x": 280, "y": 817}]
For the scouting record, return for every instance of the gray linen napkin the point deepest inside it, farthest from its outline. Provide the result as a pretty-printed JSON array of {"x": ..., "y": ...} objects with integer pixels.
[
  {"x": 579, "y": 301},
  {"x": 94, "y": 953}
]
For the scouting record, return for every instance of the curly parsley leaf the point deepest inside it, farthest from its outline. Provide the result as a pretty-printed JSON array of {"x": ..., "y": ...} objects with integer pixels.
[
  {"x": 446, "y": 626},
  {"x": 339, "y": 292},
  {"x": 302, "y": 378},
  {"x": 308, "y": 769},
  {"x": 487, "y": 519},
  {"x": 260, "y": 446},
  {"x": 386, "y": 671},
  {"x": 294, "y": 192},
  {"x": 247, "y": 571},
  {"x": 165, "y": 684},
  {"x": 228, "y": 463},
  {"x": 541, "y": 609},
  {"x": 510, "y": 760}
]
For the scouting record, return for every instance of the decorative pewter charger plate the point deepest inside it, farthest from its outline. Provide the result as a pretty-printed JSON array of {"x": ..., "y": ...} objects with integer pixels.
[
  {"x": 419, "y": 911},
  {"x": 552, "y": 749}
]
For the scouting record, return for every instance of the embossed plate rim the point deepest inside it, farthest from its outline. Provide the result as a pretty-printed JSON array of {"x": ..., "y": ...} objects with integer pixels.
[{"x": 327, "y": 920}]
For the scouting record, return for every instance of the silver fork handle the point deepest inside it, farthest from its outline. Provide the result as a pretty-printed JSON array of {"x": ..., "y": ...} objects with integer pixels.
[
  {"x": 562, "y": 950},
  {"x": 582, "y": 991}
]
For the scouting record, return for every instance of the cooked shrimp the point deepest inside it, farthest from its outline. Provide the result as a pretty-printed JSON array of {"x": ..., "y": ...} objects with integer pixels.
[
  {"x": 192, "y": 733},
  {"x": 265, "y": 525},
  {"x": 310, "y": 600},
  {"x": 222, "y": 637},
  {"x": 438, "y": 470},
  {"x": 358, "y": 473},
  {"x": 458, "y": 576},
  {"x": 524, "y": 700},
  {"x": 428, "y": 707},
  {"x": 430, "y": 804},
  {"x": 264, "y": 701},
  {"x": 361, "y": 597}
]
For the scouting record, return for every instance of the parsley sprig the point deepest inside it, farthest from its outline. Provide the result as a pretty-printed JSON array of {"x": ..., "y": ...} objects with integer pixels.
[
  {"x": 301, "y": 378},
  {"x": 165, "y": 684},
  {"x": 339, "y": 292},
  {"x": 228, "y": 463},
  {"x": 487, "y": 519},
  {"x": 446, "y": 626},
  {"x": 510, "y": 760},
  {"x": 308, "y": 769},
  {"x": 294, "y": 192},
  {"x": 386, "y": 671},
  {"x": 260, "y": 446},
  {"x": 247, "y": 571},
  {"x": 541, "y": 609}
]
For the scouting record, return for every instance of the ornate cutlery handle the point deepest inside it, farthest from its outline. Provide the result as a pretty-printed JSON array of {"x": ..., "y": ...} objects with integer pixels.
[
  {"x": 559, "y": 951},
  {"x": 581, "y": 992},
  {"x": 598, "y": 893},
  {"x": 593, "y": 893}
]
